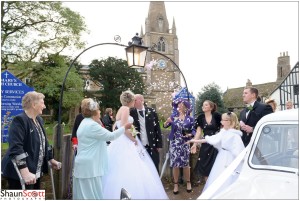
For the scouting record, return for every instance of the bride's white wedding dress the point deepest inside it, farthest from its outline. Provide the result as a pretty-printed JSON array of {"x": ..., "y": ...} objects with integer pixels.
[{"x": 130, "y": 167}]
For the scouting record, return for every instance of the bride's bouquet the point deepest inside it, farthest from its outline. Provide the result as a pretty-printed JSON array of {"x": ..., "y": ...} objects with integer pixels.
[{"x": 133, "y": 131}]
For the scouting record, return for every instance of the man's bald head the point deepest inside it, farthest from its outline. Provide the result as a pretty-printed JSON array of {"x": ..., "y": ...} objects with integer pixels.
[{"x": 139, "y": 101}]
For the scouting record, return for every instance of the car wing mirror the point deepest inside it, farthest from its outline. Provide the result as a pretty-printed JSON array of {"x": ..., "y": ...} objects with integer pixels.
[{"x": 125, "y": 195}]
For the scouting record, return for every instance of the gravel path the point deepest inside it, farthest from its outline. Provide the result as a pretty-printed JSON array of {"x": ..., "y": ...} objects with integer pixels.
[{"x": 182, "y": 195}]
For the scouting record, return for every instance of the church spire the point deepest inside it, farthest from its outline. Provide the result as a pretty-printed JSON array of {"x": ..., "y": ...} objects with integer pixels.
[
  {"x": 174, "y": 27},
  {"x": 141, "y": 33},
  {"x": 157, "y": 17}
]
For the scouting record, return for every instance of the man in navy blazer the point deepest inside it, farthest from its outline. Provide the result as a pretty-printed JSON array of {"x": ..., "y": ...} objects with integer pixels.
[
  {"x": 146, "y": 122},
  {"x": 250, "y": 115}
]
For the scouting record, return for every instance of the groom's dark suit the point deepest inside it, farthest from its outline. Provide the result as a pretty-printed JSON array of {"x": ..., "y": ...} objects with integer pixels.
[
  {"x": 153, "y": 132},
  {"x": 258, "y": 111}
]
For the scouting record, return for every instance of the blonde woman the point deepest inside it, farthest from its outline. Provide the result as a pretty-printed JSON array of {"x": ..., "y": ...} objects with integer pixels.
[
  {"x": 129, "y": 163},
  {"x": 229, "y": 144},
  {"x": 91, "y": 159}
]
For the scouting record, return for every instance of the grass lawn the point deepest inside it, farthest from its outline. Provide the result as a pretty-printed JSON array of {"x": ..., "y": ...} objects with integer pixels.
[{"x": 49, "y": 132}]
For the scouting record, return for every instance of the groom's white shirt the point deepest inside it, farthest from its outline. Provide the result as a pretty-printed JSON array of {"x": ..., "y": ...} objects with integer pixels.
[{"x": 143, "y": 131}]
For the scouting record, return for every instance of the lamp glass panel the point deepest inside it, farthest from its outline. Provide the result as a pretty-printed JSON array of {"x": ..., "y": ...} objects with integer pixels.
[{"x": 129, "y": 55}]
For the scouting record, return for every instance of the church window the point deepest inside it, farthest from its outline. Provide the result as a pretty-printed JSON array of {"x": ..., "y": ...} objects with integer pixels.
[{"x": 161, "y": 45}]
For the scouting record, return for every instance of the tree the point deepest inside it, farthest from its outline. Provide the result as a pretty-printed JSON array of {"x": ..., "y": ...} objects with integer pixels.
[
  {"x": 114, "y": 77},
  {"x": 213, "y": 93},
  {"x": 31, "y": 29},
  {"x": 47, "y": 78}
]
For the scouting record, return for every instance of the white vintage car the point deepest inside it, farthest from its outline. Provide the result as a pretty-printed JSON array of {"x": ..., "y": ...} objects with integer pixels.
[{"x": 268, "y": 168}]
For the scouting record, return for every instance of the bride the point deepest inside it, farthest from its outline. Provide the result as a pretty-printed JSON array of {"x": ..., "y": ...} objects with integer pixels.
[{"x": 129, "y": 165}]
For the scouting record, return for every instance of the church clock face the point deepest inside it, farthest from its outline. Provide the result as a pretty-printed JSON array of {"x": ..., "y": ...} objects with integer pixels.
[{"x": 161, "y": 63}]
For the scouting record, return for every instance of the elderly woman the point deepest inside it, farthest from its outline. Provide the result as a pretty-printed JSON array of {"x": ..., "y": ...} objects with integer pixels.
[
  {"x": 28, "y": 144},
  {"x": 91, "y": 160},
  {"x": 182, "y": 128}
]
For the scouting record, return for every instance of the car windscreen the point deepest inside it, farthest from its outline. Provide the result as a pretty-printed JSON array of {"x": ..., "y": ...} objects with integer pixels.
[{"x": 276, "y": 148}]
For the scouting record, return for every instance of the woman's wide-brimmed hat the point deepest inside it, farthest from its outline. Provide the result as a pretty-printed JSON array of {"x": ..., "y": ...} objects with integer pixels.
[{"x": 186, "y": 103}]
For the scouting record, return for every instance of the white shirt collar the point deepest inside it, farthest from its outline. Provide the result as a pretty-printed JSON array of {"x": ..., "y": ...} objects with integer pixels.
[
  {"x": 143, "y": 109},
  {"x": 252, "y": 104}
]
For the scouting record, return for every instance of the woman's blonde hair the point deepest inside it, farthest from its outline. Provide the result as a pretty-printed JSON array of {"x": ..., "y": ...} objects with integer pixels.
[
  {"x": 89, "y": 107},
  {"x": 31, "y": 97},
  {"x": 126, "y": 97},
  {"x": 231, "y": 116}
]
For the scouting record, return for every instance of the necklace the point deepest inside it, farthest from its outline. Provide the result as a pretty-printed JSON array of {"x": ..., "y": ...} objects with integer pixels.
[{"x": 40, "y": 133}]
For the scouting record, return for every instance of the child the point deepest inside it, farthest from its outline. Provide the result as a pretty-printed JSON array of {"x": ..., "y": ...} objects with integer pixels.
[{"x": 229, "y": 144}]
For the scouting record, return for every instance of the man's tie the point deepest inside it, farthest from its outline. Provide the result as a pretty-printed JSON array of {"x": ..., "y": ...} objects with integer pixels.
[{"x": 141, "y": 113}]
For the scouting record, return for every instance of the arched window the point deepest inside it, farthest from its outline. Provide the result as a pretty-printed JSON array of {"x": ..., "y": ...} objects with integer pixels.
[{"x": 161, "y": 45}]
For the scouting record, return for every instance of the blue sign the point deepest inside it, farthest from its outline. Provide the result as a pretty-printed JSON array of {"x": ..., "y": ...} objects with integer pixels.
[{"x": 12, "y": 92}]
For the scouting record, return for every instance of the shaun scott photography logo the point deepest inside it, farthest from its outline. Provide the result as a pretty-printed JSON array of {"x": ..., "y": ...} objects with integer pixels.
[{"x": 22, "y": 195}]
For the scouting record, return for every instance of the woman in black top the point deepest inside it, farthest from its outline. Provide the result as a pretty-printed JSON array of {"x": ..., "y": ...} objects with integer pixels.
[
  {"x": 208, "y": 123},
  {"x": 28, "y": 145}
]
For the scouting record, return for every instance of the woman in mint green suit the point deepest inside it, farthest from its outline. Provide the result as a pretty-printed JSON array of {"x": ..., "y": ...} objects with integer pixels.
[{"x": 91, "y": 159}]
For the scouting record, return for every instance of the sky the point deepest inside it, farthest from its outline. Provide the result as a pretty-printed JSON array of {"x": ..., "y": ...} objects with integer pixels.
[{"x": 221, "y": 42}]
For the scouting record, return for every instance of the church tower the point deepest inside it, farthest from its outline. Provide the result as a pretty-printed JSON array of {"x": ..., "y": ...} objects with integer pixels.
[
  {"x": 162, "y": 77},
  {"x": 283, "y": 66}
]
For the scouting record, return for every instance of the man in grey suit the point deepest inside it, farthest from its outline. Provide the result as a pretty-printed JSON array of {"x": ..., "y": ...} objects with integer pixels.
[
  {"x": 250, "y": 115},
  {"x": 147, "y": 124}
]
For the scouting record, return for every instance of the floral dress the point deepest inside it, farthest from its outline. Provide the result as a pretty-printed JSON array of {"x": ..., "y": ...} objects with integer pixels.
[{"x": 179, "y": 151}]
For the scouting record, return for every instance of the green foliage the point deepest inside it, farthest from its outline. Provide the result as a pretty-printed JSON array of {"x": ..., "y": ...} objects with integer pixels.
[
  {"x": 31, "y": 29},
  {"x": 47, "y": 78},
  {"x": 115, "y": 77},
  {"x": 213, "y": 93}
]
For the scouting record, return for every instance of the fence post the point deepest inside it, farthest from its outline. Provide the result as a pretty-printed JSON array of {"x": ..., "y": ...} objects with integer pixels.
[
  {"x": 58, "y": 156},
  {"x": 164, "y": 151}
]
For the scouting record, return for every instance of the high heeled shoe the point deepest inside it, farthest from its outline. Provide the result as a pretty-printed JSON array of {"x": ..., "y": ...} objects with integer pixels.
[
  {"x": 176, "y": 192},
  {"x": 189, "y": 190}
]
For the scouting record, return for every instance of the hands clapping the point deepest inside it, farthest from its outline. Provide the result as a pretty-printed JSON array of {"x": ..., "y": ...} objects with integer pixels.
[{"x": 246, "y": 128}]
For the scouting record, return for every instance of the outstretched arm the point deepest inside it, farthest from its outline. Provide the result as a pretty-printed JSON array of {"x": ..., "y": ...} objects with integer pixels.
[
  {"x": 197, "y": 137},
  {"x": 196, "y": 141}
]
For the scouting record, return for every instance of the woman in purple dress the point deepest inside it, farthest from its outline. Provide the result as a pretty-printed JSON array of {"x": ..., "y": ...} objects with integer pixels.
[{"x": 182, "y": 129}]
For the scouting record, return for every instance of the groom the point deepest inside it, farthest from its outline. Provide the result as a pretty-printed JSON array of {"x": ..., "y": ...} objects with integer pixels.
[
  {"x": 147, "y": 124},
  {"x": 250, "y": 115}
]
